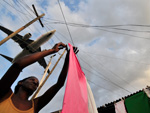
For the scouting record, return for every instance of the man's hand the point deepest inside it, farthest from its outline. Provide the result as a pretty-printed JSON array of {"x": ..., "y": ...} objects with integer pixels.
[
  {"x": 58, "y": 46},
  {"x": 75, "y": 49}
]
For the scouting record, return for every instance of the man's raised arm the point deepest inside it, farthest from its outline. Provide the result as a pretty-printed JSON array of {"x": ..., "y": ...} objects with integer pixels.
[
  {"x": 43, "y": 100},
  {"x": 13, "y": 72}
]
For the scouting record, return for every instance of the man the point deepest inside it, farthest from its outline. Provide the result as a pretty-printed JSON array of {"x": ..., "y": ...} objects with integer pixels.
[{"x": 18, "y": 102}]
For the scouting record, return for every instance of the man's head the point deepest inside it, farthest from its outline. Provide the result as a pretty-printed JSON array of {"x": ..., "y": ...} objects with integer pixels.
[{"x": 28, "y": 84}]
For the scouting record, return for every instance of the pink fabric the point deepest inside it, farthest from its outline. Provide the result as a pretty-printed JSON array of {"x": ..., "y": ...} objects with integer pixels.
[
  {"x": 75, "y": 98},
  {"x": 120, "y": 107}
]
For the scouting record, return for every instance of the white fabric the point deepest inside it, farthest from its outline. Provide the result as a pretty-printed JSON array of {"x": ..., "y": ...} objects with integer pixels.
[
  {"x": 147, "y": 91},
  {"x": 91, "y": 102},
  {"x": 120, "y": 107}
]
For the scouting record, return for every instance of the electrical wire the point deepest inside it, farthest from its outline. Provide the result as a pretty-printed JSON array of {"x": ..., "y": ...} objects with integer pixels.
[
  {"x": 14, "y": 7},
  {"x": 103, "y": 87},
  {"x": 86, "y": 25},
  {"x": 115, "y": 32},
  {"x": 93, "y": 26},
  {"x": 105, "y": 78},
  {"x": 98, "y": 62},
  {"x": 65, "y": 22},
  {"x": 116, "y": 58}
]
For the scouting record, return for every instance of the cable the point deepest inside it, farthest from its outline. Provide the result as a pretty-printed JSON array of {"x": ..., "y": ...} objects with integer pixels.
[
  {"x": 30, "y": 16},
  {"x": 122, "y": 88},
  {"x": 121, "y": 33},
  {"x": 28, "y": 6},
  {"x": 22, "y": 39},
  {"x": 29, "y": 13},
  {"x": 65, "y": 22},
  {"x": 97, "y": 61},
  {"x": 116, "y": 58},
  {"x": 102, "y": 87},
  {"x": 92, "y": 26},
  {"x": 14, "y": 7},
  {"x": 85, "y": 25},
  {"x": 16, "y": 10},
  {"x": 61, "y": 35},
  {"x": 105, "y": 78}
]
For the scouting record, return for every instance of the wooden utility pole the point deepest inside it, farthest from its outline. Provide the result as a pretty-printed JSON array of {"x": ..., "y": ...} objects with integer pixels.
[
  {"x": 20, "y": 29},
  {"x": 48, "y": 76},
  {"x": 37, "y": 15}
]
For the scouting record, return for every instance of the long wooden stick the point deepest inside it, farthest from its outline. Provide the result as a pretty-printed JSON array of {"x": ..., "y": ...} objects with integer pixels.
[
  {"x": 47, "y": 76},
  {"x": 20, "y": 29},
  {"x": 44, "y": 74}
]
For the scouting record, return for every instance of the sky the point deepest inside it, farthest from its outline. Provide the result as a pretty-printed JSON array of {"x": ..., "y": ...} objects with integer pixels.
[{"x": 113, "y": 38}]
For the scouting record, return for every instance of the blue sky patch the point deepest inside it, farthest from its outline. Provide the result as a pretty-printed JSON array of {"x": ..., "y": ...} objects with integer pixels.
[
  {"x": 43, "y": 3},
  {"x": 111, "y": 49},
  {"x": 93, "y": 42},
  {"x": 13, "y": 17},
  {"x": 72, "y": 4}
]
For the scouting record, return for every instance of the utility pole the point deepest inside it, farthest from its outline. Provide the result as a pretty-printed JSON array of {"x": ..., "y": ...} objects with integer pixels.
[
  {"x": 37, "y": 15},
  {"x": 20, "y": 29}
]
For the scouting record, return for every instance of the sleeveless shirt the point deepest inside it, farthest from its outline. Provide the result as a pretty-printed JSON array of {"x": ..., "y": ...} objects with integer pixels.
[{"x": 7, "y": 106}]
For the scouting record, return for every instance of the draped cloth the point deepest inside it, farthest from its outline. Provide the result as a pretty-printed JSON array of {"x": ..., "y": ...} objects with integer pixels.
[
  {"x": 147, "y": 91},
  {"x": 91, "y": 102},
  {"x": 138, "y": 103},
  {"x": 120, "y": 107},
  {"x": 107, "y": 109},
  {"x": 76, "y": 97}
]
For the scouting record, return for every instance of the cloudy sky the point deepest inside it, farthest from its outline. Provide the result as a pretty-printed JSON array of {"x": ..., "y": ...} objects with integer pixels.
[{"x": 113, "y": 38}]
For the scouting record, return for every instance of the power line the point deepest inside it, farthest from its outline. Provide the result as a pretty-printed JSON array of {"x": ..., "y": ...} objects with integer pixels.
[
  {"x": 102, "y": 87},
  {"x": 18, "y": 11},
  {"x": 72, "y": 41},
  {"x": 25, "y": 22},
  {"x": 105, "y": 78},
  {"x": 130, "y": 30},
  {"x": 109, "y": 26},
  {"x": 23, "y": 19},
  {"x": 14, "y": 7},
  {"x": 105, "y": 29},
  {"x": 29, "y": 14},
  {"x": 65, "y": 22},
  {"x": 28, "y": 6},
  {"x": 93, "y": 26},
  {"x": 97, "y": 61},
  {"x": 116, "y": 58},
  {"x": 102, "y": 26},
  {"x": 67, "y": 26},
  {"x": 58, "y": 33}
]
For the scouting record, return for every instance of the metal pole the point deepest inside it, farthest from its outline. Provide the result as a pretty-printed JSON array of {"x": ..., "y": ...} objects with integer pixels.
[{"x": 20, "y": 29}]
